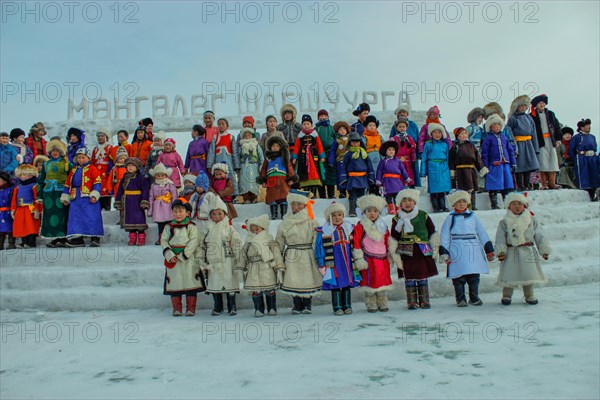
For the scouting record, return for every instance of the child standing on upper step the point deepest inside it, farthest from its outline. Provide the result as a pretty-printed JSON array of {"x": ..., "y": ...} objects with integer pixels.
[
  {"x": 357, "y": 173},
  {"x": 519, "y": 243},
  {"x": 162, "y": 194},
  {"x": 277, "y": 175},
  {"x": 391, "y": 174},
  {"x": 414, "y": 248},
  {"x": 132, "y": 199},
  {"x": 370, "y": 243},
  {"x": 434, "y": 166},
  {"x": 181, "y": 247},
  {"x": 337, "y": 153},
  {"x": 260, "y": 259},
  {"x": 464, "y": 241},
  {"x": 464, "y": 162}
]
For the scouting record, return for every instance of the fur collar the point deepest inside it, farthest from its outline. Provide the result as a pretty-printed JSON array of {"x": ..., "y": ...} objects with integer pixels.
[
  {"x": 290, "y": 219},
  {"x": 329, "y": 228},
  {"x": 248, "y": 146},
  {"x": 374, "y": 230},
  {"x": 261, "y": 243},
  {"x": 516, "y": 225}
]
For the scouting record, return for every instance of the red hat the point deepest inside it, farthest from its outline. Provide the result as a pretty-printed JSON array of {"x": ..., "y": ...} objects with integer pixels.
[
  {"x": 458, "y": 130},
  {"x": 248, "y": 118},
  {"x": 170, "y": 140},
  {"x": 322, "y": 112}
]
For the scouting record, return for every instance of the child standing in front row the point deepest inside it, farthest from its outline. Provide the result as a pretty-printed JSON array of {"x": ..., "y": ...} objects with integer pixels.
[
  {"x": 219, "y": 256},
  {"x": 370, "y": 243},
  {"x": 260, "y": 260},
  {"x": 24, "y": 209},
  {"x": 333, "y": 251},
  {"x": 517, "y": 237},
  {"x": 414, "y": 247},
  {"x": 181, "y": 246},
  {"x": 6, "y": 220},
  {"x": 463, "y": 238},
  {"x": 162, "y": 193}
]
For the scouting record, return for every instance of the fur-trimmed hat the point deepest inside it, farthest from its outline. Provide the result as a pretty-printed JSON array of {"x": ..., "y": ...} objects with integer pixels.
[
  {"x": 566, "y": 129},
  {"x": 398, "y": 110},
  {"x": 474, "y": 114},
  {"x": 539, "y": 98},
  {"x": 25, "y": 169},
  {"x": 134, "y": 161},
  {"x": 522, "y": 100},
  {"x": 160, "y": 135},
  {"x": 583, "y": 123},
  {"x": 458, "y": 130},
  {"x": 41, "y": 159},
  {"x": 373, "y": 119},
  {"x": 75, "y": 131},
  {"x": 341, "y": 124},
  {"x": 386, "y": 145},
  {"x": 15, "y": 133},
  {"x": 432, "y": 126},
  {"x": 515, "y": 196},
  {"x": 308, "y": 118},
  {"x": 189, "y": 178},
  {"x": 401, "y": 119},
  {"x": 492, "y": 108},
  {"x": 407, "y": 194},
  {"x": 248, "y": 118},
  {"x": 121, "y": 151},
  {"x": 297, "y": 198},
  {"x": 288, "y": 108},
  {"x": 261, "y": 221},
  {"x": 146, "y": 121},
  {"x": 371, "y": 200},
  {"x": 56, "y": 144},
  {"x": 334, "y": 207},
  {"x": 161, "y": 169},
  {"x": 249, "y": 130},
  {"x": 434, "y": 109},
  {"x": 493, "y": 120},
  {"x": 215, "y": 203},
  {"x": 361, "y": 107},
  {"x": 202, "y": 181},
  {"x": 85, "y": 151},
  {"x": 458, "y": 195},
  {"x": 103, "y": 131},
  {"x": 221, "y": 166},
  {"x": 322, "y": 112},
  {"x": 181, "y": 202}
]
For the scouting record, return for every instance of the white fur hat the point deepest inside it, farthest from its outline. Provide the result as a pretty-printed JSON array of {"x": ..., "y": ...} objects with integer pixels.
[
  {"x": 189, "y": 178},
  {"x": 222, "y": 166},
  {"x": 217, "y": 204},
  {"x": 244, "y": 130},
  {"x": 493, "y": 120},
  {"x": 371, "y": 200},
  {"x": 434, "y": 127},
  {"x": 334, "y": 207},
  {"x": 103, "y": 131},
  {"x": 407, "y": 194},
  {"x": 161, "y": 135},
  {"x": 459, "y": 195},
  {"x": 296, "y": 198},
  {"x": 160, "y": 169},
  {"x": 261, "y": 220},
  {"x": 514, "y": 196}
]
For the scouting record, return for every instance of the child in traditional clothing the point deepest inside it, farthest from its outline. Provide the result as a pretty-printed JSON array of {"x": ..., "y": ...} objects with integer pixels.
[
  {"x": 122, "y": 143},
  {"x": 373, "y": 140},
  {"x": 517, "y": 237},
  {"x": 407, "y": 150},
  {"x": 475, "y": 130},
  {"x": 333, "y": 251},
  {"x": 327, "y": 136},
  {"x": 271, "y": 123},
  {"x": 548, "y": 132},
  {"x": 219, "y": 257},
  {"x": 337, "y": 153},
  {"x": 582, "y": 151},
  {"x": 434, "y": 166},
  {"x": 370, "y": 254},
  {"x": 197, "y": 152},
  {"x": 132, "y": 198},
  {"x": 162, "y": 194},
  {"x": 463, "y": 244},
  {"x": 464, "y": 162},
  {"x": 200, "y": 201},
  {"x": 296, "y": 235},
  {"x": 24, "y": 154},
  {"x": 391, "y": 175},
  {"x": 170, "y": 159},
  {"x": 209, "y": 125},
  {"x": 566, "y": 175},
  {"x": 260, "y": 260},
  {"x": 155, "y": 151},
  {"x": 141, "y": 145},
  {"x": 308, "y": 156},
  {"x": 75, "y": 141},
  {"x": 414, "y": 246},
  {"x": 250, "y": 160},
  {"x": 224, "y": 150},
  {"x": 189, "y": 187},
  {"x": 6, "y": 220},
  {"x": 101, "y": 160},
  {"x": 358, "y": 173},
  {"x": 433, "y": 117},
  {"x": 117, "y": 173},
  {"x": 222, "y": 186},
  {"x": 277, "y": 175},
  {"x": 51, "y": 183},
  {"x": 289, "y": 127},
  {"x": 181, "y": 248},
  {"x": 81, "y": 193},
  {"x": 24, "y": 209},
  {"x": 523, "y": 130},
  {"x": 498, "y": 157}
]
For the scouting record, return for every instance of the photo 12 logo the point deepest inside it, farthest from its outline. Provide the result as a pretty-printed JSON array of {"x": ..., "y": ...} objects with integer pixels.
[
  {"x": 453, "y": 12},
  {"x": 54, "y": 12},
  {"x": 253, "y": 12}
]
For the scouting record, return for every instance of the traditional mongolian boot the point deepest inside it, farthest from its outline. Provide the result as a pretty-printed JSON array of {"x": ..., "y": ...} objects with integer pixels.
[
  {"x": 190, "y": 305},
  {"x": 177, "y": 306},
  {"x": 273, "y": 208},
  {"x": 307, "y": 305},
  {"x": 352, "y": 210},
  {"x": 76, "y": 242},
  {"x": 382, "y": 301},
  {"x": 529, "y": 297},
  {"x": 218, "y": 304},
  {"x": 11, "y": 242},
  {"x": 423, "y": 292},
  {"x": 259, "y": 304},
  {"x": 494, "y": 200},
  {"x": 434, "y": 203},
  {"x": 473, "y": 201},
  {"x": 371, "y": 302},
  {"x": 282, "y": 210},
  {"x": 459, "y": 291},
  {"x": 442, "y": 202},
  {"x": 133, "y": 236},
  {"x": 2, "y": 239},
  {"x": 411, "y": 297},
  {"x": 95, "y": 241},
  {"x": 507, "y": 293},
  {"x": 347, "y": 300},
  {"x": 141, "y": 239},
  {"x": 231, "y": 306},
  {"x": 391, "y": 209},
  {"x": 336, "y": 302},
  {"x": 473, "y": 282},
  {"x": 271, "y": 303}
]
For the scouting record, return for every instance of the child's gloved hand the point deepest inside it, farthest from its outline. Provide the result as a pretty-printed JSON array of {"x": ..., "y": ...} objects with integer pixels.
[
  {"x": 483, "y": 171},
  {"x": 501, "y": 257}
]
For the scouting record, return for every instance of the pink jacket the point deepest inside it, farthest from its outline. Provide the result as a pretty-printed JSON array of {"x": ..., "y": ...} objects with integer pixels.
[
  {"x": 172, "y": 160},
  {"x": 161, "y": 198}
]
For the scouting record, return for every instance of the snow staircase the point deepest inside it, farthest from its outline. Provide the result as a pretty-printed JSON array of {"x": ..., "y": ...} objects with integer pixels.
[{"x": 116, "y": 276}]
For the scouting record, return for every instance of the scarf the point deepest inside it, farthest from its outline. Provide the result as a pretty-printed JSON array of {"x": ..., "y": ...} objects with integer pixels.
[
  {"x": 248, "y": 146},
  {"x": 216, "y": 237},
  {"x": 566, "y": 144},
  {"x": 101, "y": 150},
  {"x": 374, "y": 230},
  {"x": 434, "y": 120},
  {"x": 516, "y": 225},
  {"x": 404, "y": 220},
  {"x": 358, "y": 152},
  {"x": 308, "y": 131},
  {"x": 163, "y": 182},
  {"x": 373, "y": 140}
]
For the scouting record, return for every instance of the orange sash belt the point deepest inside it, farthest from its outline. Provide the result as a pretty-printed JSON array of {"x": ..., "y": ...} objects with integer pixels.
[{"x": 357, "y": 174}]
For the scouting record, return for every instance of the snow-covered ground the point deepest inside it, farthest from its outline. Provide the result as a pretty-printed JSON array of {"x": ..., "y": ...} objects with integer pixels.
[{"x": 93, "y": 323}]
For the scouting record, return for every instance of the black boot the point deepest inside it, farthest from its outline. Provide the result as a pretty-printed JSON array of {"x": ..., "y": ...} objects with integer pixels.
[
  {"x": 352, "y": 210},
  {"x": 321, "y": 191},
  {"x": 459, "y": 291},
  {"x": 11, "y": 242},
  {"x": 307, "y": 305},
  {"x": 473, "y": 201},
  {"x": 473, "y": 282},
  {"x": 297, "y": 309},
  {"x": 218, "y": 304},
  {"x": 95, "y": 242},
  {"x": 2, "y": 238},
  {"x": 342, "y": 193},
  {"x": 330, "y": 191},
  {"x": 76, "y": 242},
  {"x": 442, "y": 202},
  {"x": 259, "y": 304},
  {"x": 282, "y": 210},
  {"x": 346, "y": 300},
  {"x": 231, "y": 307},
  {"x": 494, "y": 200},
  {"x": 273, "y": 211},
  {"x": 271, "y": 302},
  {"x": 434, "y": 203},
  {"x": 336, "y": 302}
]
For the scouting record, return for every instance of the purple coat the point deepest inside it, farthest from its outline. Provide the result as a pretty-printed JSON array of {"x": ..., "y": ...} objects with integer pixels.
[
  {"x": 6, "y": 194},
  {"x": 195, "y": 159},
  {"x": 160, "y": 208},
  {"x": 391, "y": 185},
  {"x": 133, "y": 204}
]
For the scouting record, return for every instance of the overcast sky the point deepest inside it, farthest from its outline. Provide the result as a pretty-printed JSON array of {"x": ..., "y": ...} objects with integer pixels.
[{"x": 180, "y": 48}]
